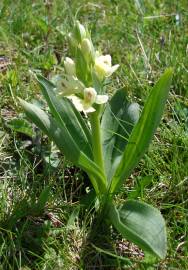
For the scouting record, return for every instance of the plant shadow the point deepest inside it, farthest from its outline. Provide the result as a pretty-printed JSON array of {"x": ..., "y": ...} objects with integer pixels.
[{"x": 99, "y": 249}]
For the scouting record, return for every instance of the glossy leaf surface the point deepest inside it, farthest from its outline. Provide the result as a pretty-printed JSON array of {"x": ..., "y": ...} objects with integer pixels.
[
  {"x": 117, "y": 123},
  {"x": 142, "y": 224}
]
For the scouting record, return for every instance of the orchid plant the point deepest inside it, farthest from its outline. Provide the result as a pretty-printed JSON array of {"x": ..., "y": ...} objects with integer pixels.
[{"x": 106, "y": 137}]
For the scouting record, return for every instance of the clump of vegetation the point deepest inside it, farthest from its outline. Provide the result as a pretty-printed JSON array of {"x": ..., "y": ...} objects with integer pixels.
[{"x": 110, "y": 141}]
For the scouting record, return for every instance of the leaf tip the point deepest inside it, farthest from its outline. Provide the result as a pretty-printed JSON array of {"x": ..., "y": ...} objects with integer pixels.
[{"x": 169, "y": 72}]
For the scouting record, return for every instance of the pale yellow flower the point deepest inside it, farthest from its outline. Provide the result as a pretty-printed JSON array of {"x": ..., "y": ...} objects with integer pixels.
[
  {"x": 103, "y": 66},
  {"x": 69, "y": 85},
  {"x": 90, "y": 98}
]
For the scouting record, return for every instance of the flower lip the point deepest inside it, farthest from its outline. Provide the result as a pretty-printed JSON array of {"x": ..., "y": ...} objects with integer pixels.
[
  {"x": 90, "y": 95},
  {"x": 101, "y": 99}
]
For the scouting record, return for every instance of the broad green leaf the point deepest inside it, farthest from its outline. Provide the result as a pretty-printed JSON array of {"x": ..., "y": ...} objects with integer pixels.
[
  {"x": 142, "y": 224},
  {"x": 67, "y": 116},
  {"x": 117, "y": 123},
  {"x": 48, "y": 125},
  {"x": 143, "y": 131},
  {"x": 65, "y": 143}
]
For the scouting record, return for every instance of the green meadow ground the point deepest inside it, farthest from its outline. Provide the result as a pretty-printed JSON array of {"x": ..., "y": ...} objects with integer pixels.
[{"x": 145, "y": 37}]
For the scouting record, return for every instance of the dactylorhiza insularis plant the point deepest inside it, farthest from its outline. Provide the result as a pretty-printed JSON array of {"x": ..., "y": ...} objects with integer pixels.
[{"x": 109, "y": 141}]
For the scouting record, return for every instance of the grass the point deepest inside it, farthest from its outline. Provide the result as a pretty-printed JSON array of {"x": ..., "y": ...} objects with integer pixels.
[{"x": 42, "y": 224}]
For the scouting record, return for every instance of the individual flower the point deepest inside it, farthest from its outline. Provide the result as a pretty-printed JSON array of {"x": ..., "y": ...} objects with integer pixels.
[
  {"x": 69, "y": 85},
  {"x": 90, "y": 98},
  {"x": 103, "y": 66},
  {"x": 70, "y": 67}
]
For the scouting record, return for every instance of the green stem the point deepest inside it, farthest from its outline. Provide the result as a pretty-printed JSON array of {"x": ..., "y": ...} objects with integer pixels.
[{"x": 96, "y": 140}]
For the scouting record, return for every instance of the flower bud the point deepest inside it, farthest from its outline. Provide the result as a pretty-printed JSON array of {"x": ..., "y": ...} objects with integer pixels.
[
  {"x": 80, "y": 32},
  {"x": 70, "y": 67},
  {"x": 87, "y": 49}
]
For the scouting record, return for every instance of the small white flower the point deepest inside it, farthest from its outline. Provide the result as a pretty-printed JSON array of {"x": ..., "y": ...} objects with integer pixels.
[
  {"x": 70, "y": 66},
  {"x": 90, "y": 98},
  {"x": 103, "y": 66},
  {"x": 69, "y": 85}
]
